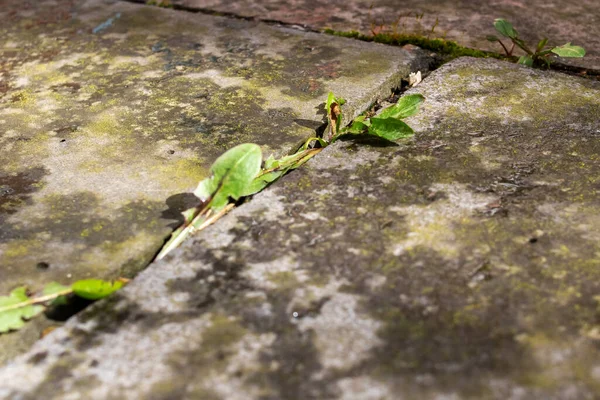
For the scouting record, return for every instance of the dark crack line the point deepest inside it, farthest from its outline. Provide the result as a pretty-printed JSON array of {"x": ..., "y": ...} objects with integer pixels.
[
  {"x": 557, "y": 66},
  {"x": 231, "y": 15}
]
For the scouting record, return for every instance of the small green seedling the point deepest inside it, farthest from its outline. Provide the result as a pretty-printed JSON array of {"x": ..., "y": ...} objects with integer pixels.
[
  {"x": 542, "y": 51},
  {"x": 388, "y": 124},
  {"x": 19, "y": 307},
  {"x": 241, "y": 172}
]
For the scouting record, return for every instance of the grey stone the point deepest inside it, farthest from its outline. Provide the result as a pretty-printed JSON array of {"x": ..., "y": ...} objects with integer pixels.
[
  {"x": 466, "y": 21},
  {"x": 461, "y": 264},
  {"x": 112, "y": 112}
]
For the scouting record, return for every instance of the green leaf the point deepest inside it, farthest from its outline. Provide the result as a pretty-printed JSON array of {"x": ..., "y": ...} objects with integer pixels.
[
  {"x": 310, "y": 140},
  {"x": 54, "y": 288},
  {"x": 338, "y": 122},
  {"x": 404, "y": 108},
  {"x": 505, "y": 28},
  {"x": 389, "y": 128},
  {"x": 542, "y": 43},
  {"x": 568, "y": 50},
  {"x": 332, "y": 99},
  {"x": 329, "y": 102},
  {"x": 271, "y": 162},
  {"x": 189, "y": 215},
  {"x": 181, "y": 233},
  {"x": 522, "y": 45},
  {"x": 357, "y": 127},
  {"x": 334, "y": 114},
  {"x": 14, "y": 309},
  {"x": 279, "y": 168},
  {"x": 526, "y": 60},
  {"x": 284, "y": 161},
  {"x": 94, "y": 289},
  {"x": 205, "y": 189},
  {"x": 231, "y": 173},
  {"x": 263, "y": 181},
  {"x": 492, "y": 38}
]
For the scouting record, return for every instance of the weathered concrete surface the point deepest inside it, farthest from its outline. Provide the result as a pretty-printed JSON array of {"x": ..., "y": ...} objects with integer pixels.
[
  {"x": 111, "y": 112},
  {"x": 466, "y": 21},
  {"x": 464, "y": 264}
]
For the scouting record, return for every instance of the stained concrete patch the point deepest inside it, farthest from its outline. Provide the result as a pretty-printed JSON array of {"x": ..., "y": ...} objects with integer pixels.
[
  {"x": 463, "y": 263},
  {"x": 468, "y": 22},
  {"x": 111, "y": 112}
]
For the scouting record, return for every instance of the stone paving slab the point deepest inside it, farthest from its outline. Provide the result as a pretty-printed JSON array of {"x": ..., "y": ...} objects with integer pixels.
[
  {"x": 463, "y": 264},
  {"x": 466, "y": 21},
  {"x": 111, "y": 112}
]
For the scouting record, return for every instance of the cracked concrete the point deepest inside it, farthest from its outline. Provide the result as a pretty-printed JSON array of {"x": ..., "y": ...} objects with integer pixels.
[
  {"x": 467, "y": 22},
  {"x": 112, "y": 112},
  {"x": 461, "y": 263}
]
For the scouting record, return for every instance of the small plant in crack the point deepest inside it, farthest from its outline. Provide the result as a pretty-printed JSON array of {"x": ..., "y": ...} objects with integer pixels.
[
  {"x": 542, "y": 52},
  {"x": 20, "y": 306},
  {"x": 240, "y": 172}
]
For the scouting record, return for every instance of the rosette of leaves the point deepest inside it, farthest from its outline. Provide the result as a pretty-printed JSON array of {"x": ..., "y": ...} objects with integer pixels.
[
  {"x": 542, "y": 51},
  {"x": 388, "y": 123}
]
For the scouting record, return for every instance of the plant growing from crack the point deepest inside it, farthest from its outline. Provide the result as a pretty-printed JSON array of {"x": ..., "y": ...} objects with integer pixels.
[
  {"x": 542, "y": 51},
  {"x": 240, "y": 171},
  {"x": 19, "y": 306}
]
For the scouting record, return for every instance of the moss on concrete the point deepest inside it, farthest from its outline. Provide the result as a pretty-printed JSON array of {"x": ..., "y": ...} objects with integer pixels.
[
  {"x": 448, "y": 49},
  {"x": 111, "y": 113},
  {"x": 463, "y": 262}
]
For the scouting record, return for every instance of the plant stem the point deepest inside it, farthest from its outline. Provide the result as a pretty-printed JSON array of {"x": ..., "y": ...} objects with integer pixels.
[
  {"x": 212, "y": 219},
  {"x": 322, "y": 142},
  {"x": 196, "y": 225},
  {"x": 204, "y": 218},
  {"x": 178, "y": 236},
  {"x": 36, "y": 300},
  {"x": 504, "y": 47},
  {"x": 523, "y": 46}
]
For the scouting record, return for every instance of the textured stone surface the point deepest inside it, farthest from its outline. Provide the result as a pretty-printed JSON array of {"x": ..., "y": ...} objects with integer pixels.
[
  {"x": 463, "y": 264},
  {"x": 466, "y": 21},
  {"x": 111, "y": 112}
]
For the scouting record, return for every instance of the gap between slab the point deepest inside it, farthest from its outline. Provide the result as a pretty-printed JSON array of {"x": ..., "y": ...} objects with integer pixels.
[
  {"x": 207, "y": 11},
  {"x": 557, "y": 66},
  {"x": 318, "y": 131},
  {"x": 397, "y": 88}
]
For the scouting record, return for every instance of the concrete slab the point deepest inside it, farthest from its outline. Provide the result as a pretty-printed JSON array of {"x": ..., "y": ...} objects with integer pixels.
[
  {"x": 111, "y": 113},
  {"x": 464, "y": 264},
  {"x": 466, "y": 21}
]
